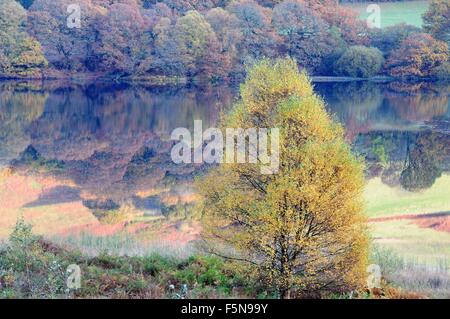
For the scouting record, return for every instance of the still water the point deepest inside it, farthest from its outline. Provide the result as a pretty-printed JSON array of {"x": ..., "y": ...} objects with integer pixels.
[{"x": 70, "y": 153}]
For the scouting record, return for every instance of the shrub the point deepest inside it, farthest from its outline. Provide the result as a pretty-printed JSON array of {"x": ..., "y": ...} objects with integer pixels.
[
  {"x": 27, "y": 269},
  {"x": 359, "y": 61}
]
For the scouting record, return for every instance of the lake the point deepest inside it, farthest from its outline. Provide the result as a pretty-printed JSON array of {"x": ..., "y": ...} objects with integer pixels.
[{"x": 96, "y": 158}]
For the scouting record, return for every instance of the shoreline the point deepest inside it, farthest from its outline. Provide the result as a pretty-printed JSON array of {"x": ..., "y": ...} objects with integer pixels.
[{"x": 162, "y": 81}]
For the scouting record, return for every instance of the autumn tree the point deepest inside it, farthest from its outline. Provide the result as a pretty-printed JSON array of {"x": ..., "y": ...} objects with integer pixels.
[
  {"x": 302, "y": 231},
  {"x": 418, "y": 55},
  {"x": 165, "y": 58},
  {"x": 353, "y": 29},
  {"x": 437, "y": 20},
  {"x": 64, "y": 47},
  {"x": 259, "y": 39},
  {"x": 226, "y": 27},
  {"x": 305, "y": 34},
  {"x": 442, "y": 72},
  {"x": 20, "y": 54},
  {"x": 390, "y": 38},
  {"x": 197, "y": 47},
  {"x": 123, "y": 44}
]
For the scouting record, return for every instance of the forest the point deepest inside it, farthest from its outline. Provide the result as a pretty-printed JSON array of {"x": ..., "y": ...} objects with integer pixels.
[{"x": 213, "y": 40}]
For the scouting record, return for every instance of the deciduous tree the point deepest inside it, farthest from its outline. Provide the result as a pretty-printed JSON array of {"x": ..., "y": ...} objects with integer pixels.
[
  {"x": 123, "y": 44},
  {"x": 197, "y": 46},
  {"x": 259, "y": 38},
  {"x": 305, "y": 34},
  {"x": 226, "y": 27},
  {"x": 437, "y": 20},
  {"x": 20, "y": 55},
  {"x": 65, "y": 47},
  {"x": 302, "y": 230},
  {"x": 390, "y": 38},
  {"x": 418, "y": 55}
]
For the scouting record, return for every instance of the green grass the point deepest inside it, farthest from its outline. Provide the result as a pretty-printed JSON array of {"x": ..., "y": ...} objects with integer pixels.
[
  {"x": 421, "y": 254},
  {"x": 409, "y": 12},
  {"x": 384, "y": 200}
]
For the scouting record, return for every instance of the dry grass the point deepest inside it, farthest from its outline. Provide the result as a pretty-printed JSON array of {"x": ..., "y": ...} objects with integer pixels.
[
  {"x": 411, "y": 275},
  {"x": 123, "y": 245}
]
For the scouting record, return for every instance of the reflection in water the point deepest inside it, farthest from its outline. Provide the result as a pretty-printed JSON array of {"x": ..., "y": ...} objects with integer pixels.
[
  {"x": 19, "y": 106},
  {"x": 113, "y": 141},
  {"x": 410, "y": 159},
  {"x": 424, "y": 161},
  {"x": 366, "y": 106},
  {"x": 108, "y": 146}
]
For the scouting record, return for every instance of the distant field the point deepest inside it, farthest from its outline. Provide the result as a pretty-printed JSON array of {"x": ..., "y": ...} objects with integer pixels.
[
  {"x": 383, "y": 200},
  {"x": 392, "y": 13},
  {"x": 415, "y": 239}
]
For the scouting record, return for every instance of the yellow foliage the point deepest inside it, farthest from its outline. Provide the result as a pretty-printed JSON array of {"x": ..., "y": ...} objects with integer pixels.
[{"x": 303, "y": 229}]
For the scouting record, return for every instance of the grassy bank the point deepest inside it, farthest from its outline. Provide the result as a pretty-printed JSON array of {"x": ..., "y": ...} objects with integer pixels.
[
  {"x": 31, "y": 267},
  {"x": 404, "y": 222}
]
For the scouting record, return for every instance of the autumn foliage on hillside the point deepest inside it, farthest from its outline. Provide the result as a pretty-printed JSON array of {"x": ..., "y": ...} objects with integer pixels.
[{"x": 210, "y": 40}]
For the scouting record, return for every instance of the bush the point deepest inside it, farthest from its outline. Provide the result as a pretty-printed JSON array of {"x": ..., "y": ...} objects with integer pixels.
[
  {"x": 31, "y": 267},
  {"x": 27, "y": 270},
  {"x": 359, "y": 61}
]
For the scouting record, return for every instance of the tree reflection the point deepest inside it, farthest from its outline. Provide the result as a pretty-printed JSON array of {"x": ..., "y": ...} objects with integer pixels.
[
  {"x": 424, "y": 162},
  {"x": 20, "y": 105},
  {"x": 418, "y": 102},
  {"x": 366, "y": 106}
]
